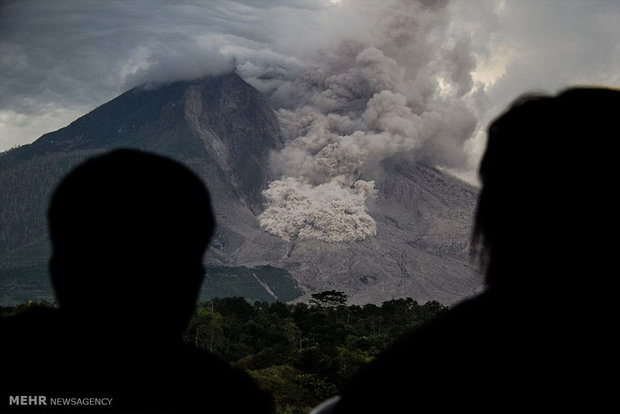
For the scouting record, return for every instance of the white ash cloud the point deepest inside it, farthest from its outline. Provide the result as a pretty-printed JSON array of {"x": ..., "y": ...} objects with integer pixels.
[{"x": 403, "y": 90}]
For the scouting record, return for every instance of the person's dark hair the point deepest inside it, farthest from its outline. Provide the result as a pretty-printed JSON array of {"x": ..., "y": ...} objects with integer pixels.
[
  {"x": 129, "y": 229},
  {"x": 542, "y": 176}
]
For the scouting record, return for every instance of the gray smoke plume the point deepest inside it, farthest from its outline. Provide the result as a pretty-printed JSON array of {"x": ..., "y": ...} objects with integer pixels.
[
  {"x": 401, "y": 90},
  {"x": 354, "y": 82}
]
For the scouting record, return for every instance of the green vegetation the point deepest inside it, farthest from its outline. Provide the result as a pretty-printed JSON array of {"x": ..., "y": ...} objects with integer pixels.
[
  {"x": 302, "y": 353},
  {"x": 24, "y": 274}
]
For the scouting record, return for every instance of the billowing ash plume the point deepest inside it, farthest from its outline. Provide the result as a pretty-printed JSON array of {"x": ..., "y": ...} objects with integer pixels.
[
  {"x": 331, "y": 211},
  {"x": 403, "y": 90}
]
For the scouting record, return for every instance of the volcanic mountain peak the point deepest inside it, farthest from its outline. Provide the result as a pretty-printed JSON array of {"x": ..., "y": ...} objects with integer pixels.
[
  {"x": 224, "y": 130},
  {"x": 144, "y": 112}
]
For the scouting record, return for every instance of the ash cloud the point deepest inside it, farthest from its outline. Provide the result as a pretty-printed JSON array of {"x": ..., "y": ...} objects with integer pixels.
[
  {"x": 333, "y": 211},
  {"x": 353, "y": 83},
  {"x": 401, "y": 91}
]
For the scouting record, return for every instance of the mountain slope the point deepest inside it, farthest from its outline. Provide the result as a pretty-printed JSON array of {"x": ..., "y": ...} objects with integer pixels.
[
  {"x": 421, "y": 249},
  {"x": 223, "y": 129},
  {"x": 220, "y": 127}
]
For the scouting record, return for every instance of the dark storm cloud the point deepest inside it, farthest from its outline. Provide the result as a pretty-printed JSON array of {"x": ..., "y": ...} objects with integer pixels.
[
  {"x": 60, "y": 58},
  {"x": 75, "y": 53}
]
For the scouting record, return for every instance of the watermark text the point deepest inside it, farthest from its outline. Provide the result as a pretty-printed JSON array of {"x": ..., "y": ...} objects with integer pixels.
[{"x": 40, "y": 400}]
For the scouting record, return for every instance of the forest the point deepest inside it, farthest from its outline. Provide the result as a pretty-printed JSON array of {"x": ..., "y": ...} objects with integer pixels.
[{"x": 302, "y": 352}]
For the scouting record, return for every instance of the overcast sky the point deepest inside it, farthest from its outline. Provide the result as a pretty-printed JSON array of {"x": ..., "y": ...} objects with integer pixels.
[{"x": 61, "y": 59}]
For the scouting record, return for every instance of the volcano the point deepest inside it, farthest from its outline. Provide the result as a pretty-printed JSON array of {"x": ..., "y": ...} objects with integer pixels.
[{"x": 224, "y": 130}]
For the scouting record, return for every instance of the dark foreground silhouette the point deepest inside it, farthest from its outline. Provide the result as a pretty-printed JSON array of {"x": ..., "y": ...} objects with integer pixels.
[
  {"x": 540, "y": 337},
  {"x": 128, "y": 232}
]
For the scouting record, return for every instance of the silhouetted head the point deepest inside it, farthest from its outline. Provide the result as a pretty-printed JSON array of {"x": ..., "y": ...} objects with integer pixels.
[
  {"x": 128, "y": 231},
  {"x": 547, "y": 189}
]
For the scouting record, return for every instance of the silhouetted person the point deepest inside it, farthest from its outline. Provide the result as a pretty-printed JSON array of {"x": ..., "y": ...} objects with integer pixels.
[
  {"x": 540, "y": 337},
  {"x": 128, "y": 231}
]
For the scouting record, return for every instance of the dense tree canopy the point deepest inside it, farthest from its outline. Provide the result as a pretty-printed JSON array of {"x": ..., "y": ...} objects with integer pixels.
[{"x": 303, "y": 353}]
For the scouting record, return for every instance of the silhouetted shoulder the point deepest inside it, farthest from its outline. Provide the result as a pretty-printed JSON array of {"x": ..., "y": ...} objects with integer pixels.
[
  {"x": 233, "y": 389},
  {"x": 191, "y": 380},
  {"x": 25, "y": 333},
  {"x": 26, "y": 352},
  {"x": 44, "y": 356},
  {"x": 490, "y": 353},
  {"x": 415, "y": 371}
]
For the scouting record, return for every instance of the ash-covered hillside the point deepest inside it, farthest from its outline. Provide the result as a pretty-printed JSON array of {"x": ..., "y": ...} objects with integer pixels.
[{"x": 224, "y": 130}]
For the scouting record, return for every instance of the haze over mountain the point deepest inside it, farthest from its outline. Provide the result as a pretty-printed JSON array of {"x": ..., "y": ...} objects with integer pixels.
[{"x": 224, "y": 130}]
